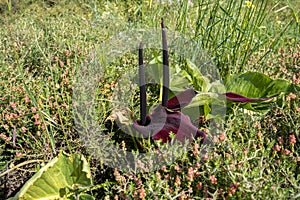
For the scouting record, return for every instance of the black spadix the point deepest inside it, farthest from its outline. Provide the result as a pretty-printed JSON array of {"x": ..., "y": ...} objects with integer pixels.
[
  {"x": 166, "y": 117},
  {"x": 166, "y": 74}
]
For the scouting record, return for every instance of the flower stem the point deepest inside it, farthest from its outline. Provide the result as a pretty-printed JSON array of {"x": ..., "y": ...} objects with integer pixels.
[
  {"x": 142, "y": 84},
  {"x": 166, "y": 78}
]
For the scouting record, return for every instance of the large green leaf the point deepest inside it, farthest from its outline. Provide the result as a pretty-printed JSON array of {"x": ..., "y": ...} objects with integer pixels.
[
  {"x": 200, "y": 82},
  {"x": 206, "y": 102},
  {"x": 249, "y": 84},
  {"x": 62, "y": 175},
  {"x": 278, "y": 86},
  {"x": 256, "y": 85}
]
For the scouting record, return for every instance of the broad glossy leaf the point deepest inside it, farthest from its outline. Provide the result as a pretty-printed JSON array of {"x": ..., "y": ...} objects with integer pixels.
[
  {"x": 278, "y": 86},
  {"x": 61, "y": 175},
  {"x": 249, "y": 84},
  {"x": 200, "y": 82},
  {"x": 256, "y": 85}
]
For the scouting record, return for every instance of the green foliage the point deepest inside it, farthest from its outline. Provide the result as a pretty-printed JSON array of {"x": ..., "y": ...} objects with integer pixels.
[
  {"x": 65, "y": 176},
  {"x": 44, "y": 42},
  {"x": 257, "y": 85}
]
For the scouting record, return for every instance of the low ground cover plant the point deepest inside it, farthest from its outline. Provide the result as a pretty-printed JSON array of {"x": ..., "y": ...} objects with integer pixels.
[{"x": 255, "y": 46}]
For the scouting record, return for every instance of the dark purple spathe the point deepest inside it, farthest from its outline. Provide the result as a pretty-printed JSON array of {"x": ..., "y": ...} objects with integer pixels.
[{"x": 164, "y": 120}]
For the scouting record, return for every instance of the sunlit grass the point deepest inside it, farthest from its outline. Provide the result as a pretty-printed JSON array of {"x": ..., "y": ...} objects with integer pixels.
[{"x": 42, "y": 45}]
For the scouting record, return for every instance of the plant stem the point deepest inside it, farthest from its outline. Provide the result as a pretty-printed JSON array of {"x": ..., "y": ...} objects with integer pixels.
[
  {"x": 20, "y": 165},
  {"x": 142, "y": 84},
  {"x": 165, "y": 66}
]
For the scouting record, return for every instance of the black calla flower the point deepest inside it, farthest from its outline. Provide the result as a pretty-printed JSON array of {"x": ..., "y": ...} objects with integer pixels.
[{"x": 164, "y": 120}]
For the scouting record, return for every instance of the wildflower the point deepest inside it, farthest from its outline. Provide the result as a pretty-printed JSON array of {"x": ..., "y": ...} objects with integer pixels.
[
  {"x": 190, "y": 174},
  {"x": 259, "y": 134},
  {"x": 177, "y": 181},
  {"x": 36, "y": 116},
  {"x": 222, "y": 137},
  {"x": 213, "y": 179},
  {"x": 286, "y": 151},
  {"x": 27, "y": 100},
  {"x": 142, "y": 193},
  {"x": 67, "y": 52},
  {"x": 167, "y": 118},
  {"x": 215, "y": 139},
  {"x": 5, "y": 126},
  {"x": 123, "y": 144},
  {"x": 221, "y": 192},
  {"x": 13, "y": 115},
  {"x": 205, "y": 158},
  {"x": 167, "y": 176},
  {"x": 158, "y": 175},
  {"x": 196, "y": 149},
  {"x": 61, "y": 63},
  {"x": 292, "y": 139},
  {"x": 232, "y": 189},
  {"x": 7, "y": 117},
  {"x": 248, "y": 4},
  {"x": 19, "y": 154},
  {"x": 292, "y": 96},
  {"x": 118, "y": 176},
  {"x": 23, "y": 128},
  {"x": 199, "y": 185},
  {"x": 13, "y": 105},
  {"x": 33, "y": 109},
  {"x": 257, "y": 125},
  {"x": 182, "y": 196},
  {"x": 4, "y": 137},
  {"x": 277, "y": 148},
  {"x": 177, "y": 168},
  {"x": 138, "y": 182},
  {"x": 273, "y": 187}
]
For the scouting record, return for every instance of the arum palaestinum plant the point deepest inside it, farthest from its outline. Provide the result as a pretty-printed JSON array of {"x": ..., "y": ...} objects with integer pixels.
[{"x": 166, "y": 118}]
